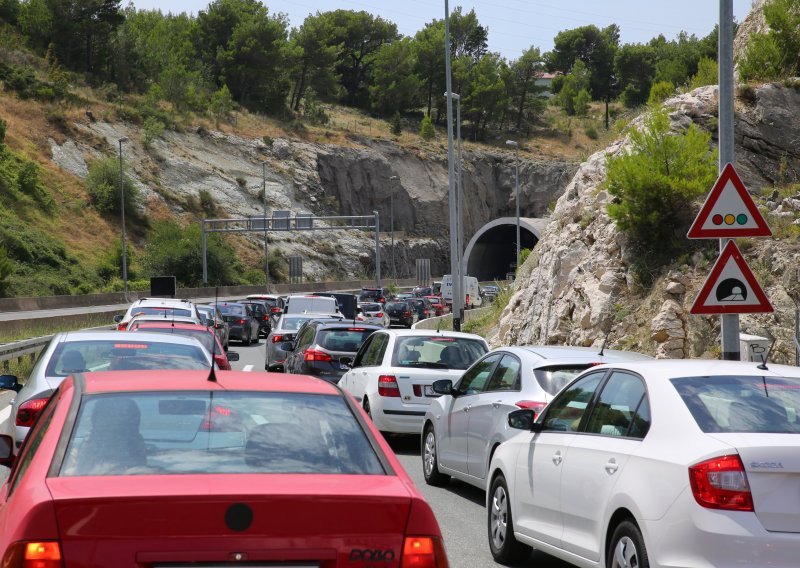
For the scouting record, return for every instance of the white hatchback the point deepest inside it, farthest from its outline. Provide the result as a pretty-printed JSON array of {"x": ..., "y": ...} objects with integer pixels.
[
  {"x": 684, "y": 463},
  {"x": 393, "y": 373}
]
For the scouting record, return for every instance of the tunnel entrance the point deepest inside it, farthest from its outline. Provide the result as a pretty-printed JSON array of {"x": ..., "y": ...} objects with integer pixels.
[{"x": 492, "y": 253}]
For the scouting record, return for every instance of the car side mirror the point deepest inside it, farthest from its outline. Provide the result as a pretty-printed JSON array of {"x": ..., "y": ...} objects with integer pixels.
[
  {"x": 117, "y": 318},
  {"x": 287, "y": 346},
  {"x": 232, "y": 356},
  {"x": 10, "y": 382},
  {"x": 6, "y": 450},
  {"x": 523, "y": 419},
  {"x": 443, "y": 386},
  {"x": 346, "y": 361}
]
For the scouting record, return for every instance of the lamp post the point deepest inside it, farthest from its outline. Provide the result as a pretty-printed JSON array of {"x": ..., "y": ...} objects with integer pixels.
[
  {"x": 122, "y": 211},
  {"x": 391, "y": 224},
  {"x": 454, "y": 268},
  {"x": 266, "y": 241},
  {"x": 515, "y": 145},
  {"x": 459, "y": 208}
]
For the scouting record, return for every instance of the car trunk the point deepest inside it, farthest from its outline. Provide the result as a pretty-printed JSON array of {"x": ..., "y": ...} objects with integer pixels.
[
  {"x": 772, "y": 463},
  {"x": 280, "y": 520},
  {"x": 415, "y": 383}
]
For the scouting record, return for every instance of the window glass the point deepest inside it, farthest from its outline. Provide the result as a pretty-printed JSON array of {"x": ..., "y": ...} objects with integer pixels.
[
  {"x": 437, "y": 352},
  {"x": 217, "y": 432},
  {"x": 32, "y": 442},
  {"x": 373, "y": 356},
  {"x": 128, "y": 352},
  {"x": 555, "y": 377},
  {"x": 742, "y": 403},
  {"x": 641, "y": 420},
  {"x": 567, "y": 409},
  {"x": 291, "y": 324},
  {"x": 231, "y": 311},
  {"x": 201, "y": 334},
  {"x": 474, "y": 380},
  {"x": 346, "y": 339},
  {"x": 614, "y": 412},
  {"x": 506, "y": 376}
]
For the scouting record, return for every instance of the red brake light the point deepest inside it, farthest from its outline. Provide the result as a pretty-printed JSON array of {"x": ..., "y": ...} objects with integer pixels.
[
  {"x": 241, "y": 322},
  {"x": 275, "y": 310},
  {"x": 222, "y": 362},
  {"x": 406, "y": 313},
  {"x": 379, "y": 315},
  {"x": 721, "y": 483},
  {"x": 122, "y": 326},
  {"x": 537, "y": 407},
  {"x": 131, "y": 346},
  {"x": 277, "y": 338},
  {"x": 387, "y": 386},
  {"x": 221, "y": 419},
  {"x": 314, "y": 355},
  {"x": 355, "y": 329},
  {"x": 45, "y": 554},
  {"x": 423, "y": 552},
  {"x": 29, "y": 410}
]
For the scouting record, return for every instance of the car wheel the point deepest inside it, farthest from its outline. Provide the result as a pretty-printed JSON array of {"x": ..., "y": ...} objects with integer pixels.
[
  {"x": 256, "y": 337},
  {"x": 627, "y": 548},
  {"x": 430, "y": 467},
  {"x": 505, "y": 548}
]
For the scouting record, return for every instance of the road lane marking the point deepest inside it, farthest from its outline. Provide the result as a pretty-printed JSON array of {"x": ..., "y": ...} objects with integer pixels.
[{"x": 247, "y": 368}]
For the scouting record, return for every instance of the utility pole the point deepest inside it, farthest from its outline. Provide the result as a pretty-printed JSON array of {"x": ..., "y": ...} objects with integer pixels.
[
  {"x": 266, "y": 240},
  {"x": 729, "y": 323},
  {"x": 122, "y": 211},
  {"x": 391, "y": 223},
  {"x": 454, "y": 268}
]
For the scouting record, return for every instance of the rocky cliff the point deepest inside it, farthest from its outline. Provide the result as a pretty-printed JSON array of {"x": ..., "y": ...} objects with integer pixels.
[
  {"x": 579, "y": 286},
  {"x": 323, "y": 179}
]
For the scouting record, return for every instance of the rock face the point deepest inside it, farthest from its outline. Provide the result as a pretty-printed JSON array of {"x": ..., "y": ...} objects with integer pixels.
[
  {"x": 578, "y": 285},
  {"x": 325, "y": 179},
  {"x": 754, "y": 22}
]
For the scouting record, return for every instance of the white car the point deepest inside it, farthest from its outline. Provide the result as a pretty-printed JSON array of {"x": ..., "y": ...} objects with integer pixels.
[
  {"x": 684, "y": 463},
  {"x": 392, "y": 373},
  {"x": 166, "y": 307},
  {"x": 372, "y": 312},
  {"x": 463, "y": 427}
]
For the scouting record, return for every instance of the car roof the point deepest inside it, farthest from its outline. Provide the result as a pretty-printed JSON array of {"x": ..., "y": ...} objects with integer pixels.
[
  {"x": 197, "y": 380},
  {"x": 161, "y": 302},
  {"x": 432, "y": 332},
  {"x": 572, "y": 352},
  {"x": 124, "y": 337},
  {"x": 665, "y": 369}
]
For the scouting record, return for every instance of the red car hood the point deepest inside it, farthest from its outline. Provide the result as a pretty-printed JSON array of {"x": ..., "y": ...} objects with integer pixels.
[{"x": 158, "y": 519}]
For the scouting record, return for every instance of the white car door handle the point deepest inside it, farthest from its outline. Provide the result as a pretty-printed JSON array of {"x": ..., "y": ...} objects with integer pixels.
[
  {"x": 497, "y": 403},
  {"x": 557, "y": 459},
  {"x": 466, "y": 408},
  {"x": 611, "y": 466}
]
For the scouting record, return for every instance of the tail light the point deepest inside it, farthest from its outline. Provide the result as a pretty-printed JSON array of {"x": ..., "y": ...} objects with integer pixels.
[
  {"x": 277, "y": 338},
  {"x": 423, "y": 552},
  {"x": 221, "y": 419},
  {"x": 387, "y": 386},
  {"x": 222, "y": 362},
  {"x": 721, "y": 483},
  {"x": 29, "y": 411},
  {"x": 45, "y": 554},
  {"x": 537, "y": 407},
  {"x": 241, "y": 322},
  {"x": 379, "y": 315},
  {"x": 266, "y": 318},
  {"x": 122, "y": 326},
  {"x": 275, "y": 310},
  {"x": 315, "y": 355},
  {"x": 406, "y": 313}
]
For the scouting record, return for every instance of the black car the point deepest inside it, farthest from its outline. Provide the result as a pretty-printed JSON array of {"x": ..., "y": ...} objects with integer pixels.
[
  {"x": 242, "y": 320},
  {"x": 422, "y": 306},
  {"x": 325, "y": 349},
  {"x": 373, "y": 295},
  {"x": 421, "y": 291},
  {"x": 262, "y": 310},
  {"x": 401, "y": 313}
]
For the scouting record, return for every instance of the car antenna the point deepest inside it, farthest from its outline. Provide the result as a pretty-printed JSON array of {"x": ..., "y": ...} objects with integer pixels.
[
  {"x": 603, "y": 346},
  {"x": 763, "y": 365},
  {"x": 212, "y": 376}
]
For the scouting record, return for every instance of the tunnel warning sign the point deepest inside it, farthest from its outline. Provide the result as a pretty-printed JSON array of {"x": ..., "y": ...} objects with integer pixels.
[
  {"x": 731, "y": 287},
  {"x": 729, "y": 211}
]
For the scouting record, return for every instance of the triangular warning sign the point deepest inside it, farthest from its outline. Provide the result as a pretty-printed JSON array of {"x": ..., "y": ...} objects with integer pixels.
[
  {"x": 729, "y": 211},
  {"x": 731, "y": 287}
]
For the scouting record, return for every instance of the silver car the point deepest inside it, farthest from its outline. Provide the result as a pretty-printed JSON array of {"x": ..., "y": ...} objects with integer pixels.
[
  {"x": 464, "y": 426},
  {"x": 86, "y": 351},
  {"x": 372, "y": 312}
]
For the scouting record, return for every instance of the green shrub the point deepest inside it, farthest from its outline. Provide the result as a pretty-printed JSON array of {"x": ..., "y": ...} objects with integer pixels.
[
  {"x": 655, "y": 181},
  {"x": 762, "y": 59},
  {"x": 102, "y": 184},
  {"x": 3, "y": 128},
  {"x": 774, "y": 54},
  {"x": 241, "y": 181},
  {"x": 707, "y": 73},
  {"x": 221, "y": 105},
  {"x": 151, "y": 130},
  {"x": 397, "y": 126},
  {"x": 29, "y": 182},
  {"x": 207, "y": 203},
  {"x": 660, "y": 92},
  {"x": 6, "y": 268},
  {"x": 427, "y": 131},
  {"x": 581, "y": 102},
  {"x": 591, "y": 132}
]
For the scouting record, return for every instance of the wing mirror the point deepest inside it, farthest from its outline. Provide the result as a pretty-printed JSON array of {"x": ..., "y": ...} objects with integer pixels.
[
  {"x": 117, "y": 318},
  {"x": 346, "y": 361},
  {"x": 232, "y": 356},
  {"x": 523, "y": 419},
  {"x": 287, "y": 346},
  {"x": 6, "y": 450},
  {"x": 443, "y": 386},
  {"x": 10, "y": 382}
]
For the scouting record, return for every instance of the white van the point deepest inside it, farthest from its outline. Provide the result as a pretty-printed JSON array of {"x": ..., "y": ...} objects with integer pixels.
[
  {"x": 472, "y": 291},
  {"x": 311, "y": 305}
]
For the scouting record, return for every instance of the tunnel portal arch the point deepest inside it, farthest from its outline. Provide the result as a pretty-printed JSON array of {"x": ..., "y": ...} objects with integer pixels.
[{"x": 492, "y": 250}]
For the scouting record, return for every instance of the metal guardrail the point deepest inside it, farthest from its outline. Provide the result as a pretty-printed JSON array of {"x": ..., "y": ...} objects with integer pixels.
[{"x": 21, "y": 349}]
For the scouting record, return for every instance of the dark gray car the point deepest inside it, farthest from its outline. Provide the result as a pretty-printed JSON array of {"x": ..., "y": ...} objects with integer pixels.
[
  {"x": 213, "y": 318},
  {"x": 285, "y": 330},
  {"x": 243, "y": 321}
]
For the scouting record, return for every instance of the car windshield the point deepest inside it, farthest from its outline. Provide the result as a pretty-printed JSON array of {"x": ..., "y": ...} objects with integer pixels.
[
  {"x": 161, "y": 311},
  {"x": 371, "y": 307},
  {"x": 554, "y": 378},
  {"x": 436, "y": 352},
  {"x": 349, "y": 339},
  {"x": 216, "y": 432},
  {"x": 742, "y": 403},
  {"x": 129, "y": 352}
]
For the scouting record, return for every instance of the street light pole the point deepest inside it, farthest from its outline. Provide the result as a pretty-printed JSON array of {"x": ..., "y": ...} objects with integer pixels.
[
  {"x": 515, "y": 145},
  {"x": 122, "y": 211},
  {"x": 391, "y": 224},
  {"x": 454, "y": 268},
  {"x": 266, "y": 241}
]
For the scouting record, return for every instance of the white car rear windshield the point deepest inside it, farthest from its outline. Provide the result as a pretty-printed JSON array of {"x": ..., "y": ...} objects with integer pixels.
[
  {"x": 217, "y": 432},
  {"x": 160, "y": 311},
  {"x": 742, "y": 403},
  {"x": 123, "y": 354},
  {"x": 436, "y": 352}
]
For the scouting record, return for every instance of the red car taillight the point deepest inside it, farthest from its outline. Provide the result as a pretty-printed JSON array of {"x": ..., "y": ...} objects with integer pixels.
[
  {"x": 275, "y": 310},
  {"x": 423, "y": 552},
  {"x": 314, "y": 355},
  {"x": 379, "y": 315},
  {"x": 46, "y": 554},
  {"x": 277, "y": 338},
  {"x": 537, "y": 407},
  {"x": 721, "y": 483},
  {"x": 122, "y": 326},
  {"x": 222, "y": 362},
  {"x": 406, "y": 313},
  {"x": 387, "y": 386},
  {"x": 241, "y": 322},
  {"x": 28, "y": 411}
]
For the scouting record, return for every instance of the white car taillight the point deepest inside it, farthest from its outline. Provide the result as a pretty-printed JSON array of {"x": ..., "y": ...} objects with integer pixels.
[
  {"x": 387, "y": 386},
  {"x": 721, "y": 483}
]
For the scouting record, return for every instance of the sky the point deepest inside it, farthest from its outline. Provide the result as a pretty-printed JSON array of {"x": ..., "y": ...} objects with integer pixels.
[{"x": 514, "y": 25}]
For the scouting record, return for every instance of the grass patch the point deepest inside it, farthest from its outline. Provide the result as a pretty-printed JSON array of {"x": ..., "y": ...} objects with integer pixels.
[
  {"x": 34, "y": 328},
  {"x": 489, "y": 318}
]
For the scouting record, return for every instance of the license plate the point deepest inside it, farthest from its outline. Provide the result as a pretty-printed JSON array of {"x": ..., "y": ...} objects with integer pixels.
[{"x": 429, "y": 391}]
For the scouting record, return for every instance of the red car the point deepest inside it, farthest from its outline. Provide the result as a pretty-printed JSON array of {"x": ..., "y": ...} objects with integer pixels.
[
  {"x": 205, "y": 335},
  {"x": 182, "y": 468},
  {"x": 436, "y": 304}
]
